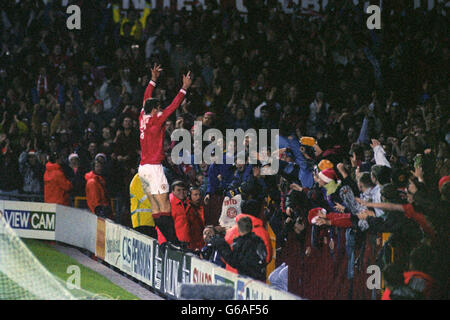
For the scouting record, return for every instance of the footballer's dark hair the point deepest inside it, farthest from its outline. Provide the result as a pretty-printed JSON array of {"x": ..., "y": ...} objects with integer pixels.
[{"x": 151, "y": 104}]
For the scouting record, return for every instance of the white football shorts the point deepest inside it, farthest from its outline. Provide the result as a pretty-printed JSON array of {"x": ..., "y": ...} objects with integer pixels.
[{"x": 153, "y": 179}]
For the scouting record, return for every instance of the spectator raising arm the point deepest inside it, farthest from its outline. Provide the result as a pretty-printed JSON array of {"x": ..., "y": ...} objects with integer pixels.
[
  {"x": 409, "y": 212},
  {"x": 379, "y": 153}
]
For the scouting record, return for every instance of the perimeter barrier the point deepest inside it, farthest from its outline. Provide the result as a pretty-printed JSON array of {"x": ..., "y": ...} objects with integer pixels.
[{"x": 133, "y": 253}]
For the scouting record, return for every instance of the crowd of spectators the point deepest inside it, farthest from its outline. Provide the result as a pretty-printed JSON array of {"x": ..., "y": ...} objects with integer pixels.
[{"x": 362, "y": 114}]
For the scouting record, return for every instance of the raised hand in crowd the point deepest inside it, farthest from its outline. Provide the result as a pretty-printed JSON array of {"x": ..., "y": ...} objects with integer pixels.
[{"x": 206, "y": 199}]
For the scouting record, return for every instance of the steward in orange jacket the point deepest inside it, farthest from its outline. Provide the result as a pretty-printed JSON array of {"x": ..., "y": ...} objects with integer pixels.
[
  {"x": 96, "y": 197},
  {"x": 56, "y": 185},
  {"x": 252, "y": 208}
]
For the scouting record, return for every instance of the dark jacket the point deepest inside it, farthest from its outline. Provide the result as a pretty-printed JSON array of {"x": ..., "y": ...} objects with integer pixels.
[
  {"x": 253, "y": 187},
  {"x": 238, "y": 178},
  {"x": 211, "y": 254},
  {"x": 226, "y": 171},
  {"x": 417, "y": 286},
  {"x": 76, "y": 176},
  {"x": 258, "y": 230},
  {"x": 248, "y": 255},
  {"x": 33, "y": 175},
  {"x": 10, "y": 178}
]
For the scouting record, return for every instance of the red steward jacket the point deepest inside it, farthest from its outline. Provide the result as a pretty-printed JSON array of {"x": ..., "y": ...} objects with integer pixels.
[
  {"x": 258, "y": 229},
  {"x": 56, "y": 185},
  {"x": 95, "y": 191},
  {"x": 180, "y": 221},
  {"x": 196, "y": 221}
]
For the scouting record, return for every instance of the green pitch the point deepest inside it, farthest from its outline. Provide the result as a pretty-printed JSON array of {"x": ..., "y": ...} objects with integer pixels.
[{"x": 57, "y": 263}]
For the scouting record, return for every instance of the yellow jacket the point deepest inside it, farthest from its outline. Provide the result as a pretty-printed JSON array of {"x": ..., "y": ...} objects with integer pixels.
[
  {"x": 138, "y": 27},
  {"x": 141, "y": 209}
]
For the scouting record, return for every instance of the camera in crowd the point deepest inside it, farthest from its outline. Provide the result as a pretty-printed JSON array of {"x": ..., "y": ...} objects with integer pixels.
[{"x": 211, "y": 234}]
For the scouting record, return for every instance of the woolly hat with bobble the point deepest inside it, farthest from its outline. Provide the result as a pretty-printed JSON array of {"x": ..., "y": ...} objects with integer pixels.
[
  {"x": 325, "y": 164},
  {"x": 328, "y": 175},
  {"x": 313, "y": 214}
]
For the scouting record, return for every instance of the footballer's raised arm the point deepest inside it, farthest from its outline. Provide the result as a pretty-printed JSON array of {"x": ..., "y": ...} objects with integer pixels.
[
  {"x": 156, "y": 72},
  {"x": 187, "y": 82}
]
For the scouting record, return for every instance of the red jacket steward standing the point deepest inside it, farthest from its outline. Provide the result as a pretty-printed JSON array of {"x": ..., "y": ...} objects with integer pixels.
[
  {"x": 95, "y": 191},
  {"x": 56, "y": 185},
  {"x": 180, "y": 221},
  {"x": 196, "y": 220}
]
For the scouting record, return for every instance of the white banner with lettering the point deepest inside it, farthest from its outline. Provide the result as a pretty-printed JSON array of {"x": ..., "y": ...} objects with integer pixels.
[{"x": 30, "y": 219}]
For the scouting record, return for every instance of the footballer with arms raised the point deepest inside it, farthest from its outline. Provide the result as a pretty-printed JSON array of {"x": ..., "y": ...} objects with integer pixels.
[{"x": 152, "y": 130}]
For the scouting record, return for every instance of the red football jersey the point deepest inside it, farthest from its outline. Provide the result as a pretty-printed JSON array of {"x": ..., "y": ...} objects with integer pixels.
[{"x": 152, "y": 129}]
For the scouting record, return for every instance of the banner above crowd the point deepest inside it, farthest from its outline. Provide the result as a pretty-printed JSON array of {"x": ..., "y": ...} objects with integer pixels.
[{"x": 288, "y": 6}]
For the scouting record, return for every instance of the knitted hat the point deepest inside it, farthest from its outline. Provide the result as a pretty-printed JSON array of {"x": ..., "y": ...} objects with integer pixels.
[
  {"x": 100, "y": 155},
  {"x": 308, "y": 141},
  {"x": 31, "y": 153},
  {"x": 443, "y": 181},
  {"x": 325, "y": 164},
  {"x": 73, "y": 155},
  {"x": 328, "y": 175},
  {"x": 313, "y": 213}
]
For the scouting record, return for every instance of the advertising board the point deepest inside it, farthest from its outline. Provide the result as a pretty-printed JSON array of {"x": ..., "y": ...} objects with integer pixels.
[{"x": 30, "y": 219}]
